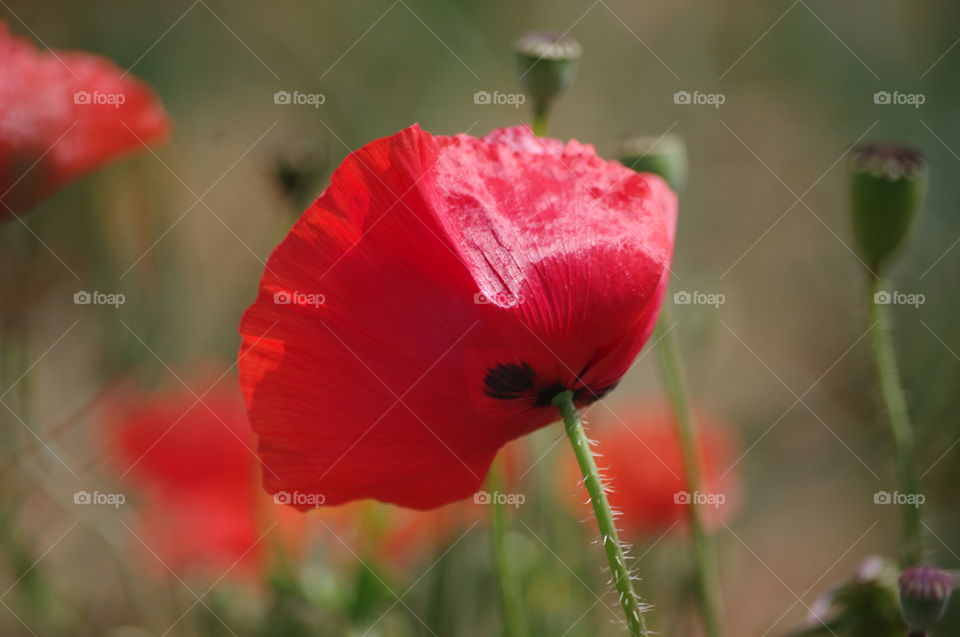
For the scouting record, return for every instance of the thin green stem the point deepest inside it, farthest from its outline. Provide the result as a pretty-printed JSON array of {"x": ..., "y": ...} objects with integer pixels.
[
  {"x": 514, "y": 624},
  {"x": 703, "y": 552},
  {"x": 31, "y": 582},
  {"x": 540, "y": 126},
  {"x": 541, "y": 120},
  {"x": 604, "y": 515},
  {"x": 885, "y": 363},
  {"x": 437, "y": 605}
]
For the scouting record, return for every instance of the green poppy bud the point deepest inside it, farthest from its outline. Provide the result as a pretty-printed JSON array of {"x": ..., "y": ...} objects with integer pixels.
[
  {"x": 864, "y": 605},
  {"x": 546, "y": 64},
  {"x": 297, "y": 166},
  {"x": 888, "y": 184},
  {"x": 665, "y": 156},
  {"x": 924, "y": 592}
]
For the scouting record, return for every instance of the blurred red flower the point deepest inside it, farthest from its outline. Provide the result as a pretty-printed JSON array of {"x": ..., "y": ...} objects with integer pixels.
[
  {"x": 644, "y": 469},
  {"x": 395, "y": 537},
  {"x": 63, "y": 114},
  {"x": 399, "y": 537},
  {"x": 427, "y": 307},
  {"x": 193, "y": 473}
]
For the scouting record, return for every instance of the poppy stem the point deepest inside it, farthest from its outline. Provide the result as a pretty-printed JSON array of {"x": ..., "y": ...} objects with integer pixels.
[
  {"x": 514, "y": 624},
  {"x": 541, "y": 122},
  {"x": 885, "y": 364},
  {"x": 18, "y": 554},
  {"x": 614, "y": 549},
  {"x": 673, "y": 378}
]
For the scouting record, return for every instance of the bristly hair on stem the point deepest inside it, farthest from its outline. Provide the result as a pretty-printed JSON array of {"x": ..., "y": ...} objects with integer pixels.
[{"x": 621, "y": 574}]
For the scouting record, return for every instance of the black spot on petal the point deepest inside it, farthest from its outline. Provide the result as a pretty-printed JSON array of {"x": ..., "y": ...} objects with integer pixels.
[
  {"x": 545, "y": 395},
  {"x": 519, "y": 381},
  {"x": 509, "y": 381}
]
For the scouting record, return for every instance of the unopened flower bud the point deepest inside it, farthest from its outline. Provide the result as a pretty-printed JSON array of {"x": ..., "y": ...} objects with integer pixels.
[
  {"x": 924, "y": 592},
  {"x": 546, "y": 64},
  {"x": 665, "y": 156},
  {"x": 865, "y": 605},
  {"x": 888, "y": 184},
  {"x": 297, "y": 166}
]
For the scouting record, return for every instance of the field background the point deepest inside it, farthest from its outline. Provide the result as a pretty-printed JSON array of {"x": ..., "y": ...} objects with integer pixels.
[{"x": 763, "y": 222}]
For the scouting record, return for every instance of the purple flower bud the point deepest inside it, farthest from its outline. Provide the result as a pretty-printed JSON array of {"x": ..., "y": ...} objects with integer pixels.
[{"x": 924, "y": 592}]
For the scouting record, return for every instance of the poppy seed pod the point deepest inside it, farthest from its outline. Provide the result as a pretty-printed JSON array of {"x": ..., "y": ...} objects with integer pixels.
[
  {"x": 888, "y": 183},
  {"x": 864, "y": 605},
  {"x": 546, "y": 64},
  {"x": 924, "y": 592},
  {"x": 665, "y": 156}
]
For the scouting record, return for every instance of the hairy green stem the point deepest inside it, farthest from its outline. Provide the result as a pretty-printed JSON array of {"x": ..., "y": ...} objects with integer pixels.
[
  {"x": 514, "y": 624},
  {"x": 885, "y": 363},
  {"x": 703, "y": 552},
  {"x": 604, "y": 515}
]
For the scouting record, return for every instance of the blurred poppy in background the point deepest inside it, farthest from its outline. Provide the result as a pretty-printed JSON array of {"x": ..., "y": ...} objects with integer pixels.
[
  {"x": 192, "y": 471},
  {"x": 398, "y": 537},
  {"x": 394, "y": 537},
  {"x": 430, "y": 304},
  {"x": 639, "y": 453},
  {"x": 64, "y": 114}
]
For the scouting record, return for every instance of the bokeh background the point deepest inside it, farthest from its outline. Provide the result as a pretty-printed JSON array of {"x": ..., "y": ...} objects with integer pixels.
[{"x": 763, "y": 222}]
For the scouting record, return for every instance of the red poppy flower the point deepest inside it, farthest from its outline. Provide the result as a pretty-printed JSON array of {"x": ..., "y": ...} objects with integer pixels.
[
  {"x": 644, "y": 468},
  {"x": 63, "y": 114},
  {"x": 428, "y": 306},
  {"x": 194, "y": 475}
]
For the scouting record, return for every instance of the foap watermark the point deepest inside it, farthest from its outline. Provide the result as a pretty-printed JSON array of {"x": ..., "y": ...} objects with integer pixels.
[
  {"x": 99, "y": 298},
  {"x": 292, "y": 297},
  {"x": 116, "y": 500},
  {"x": 684, "y": 297},
  {"x": 912, "y": 499},
  {"x": 511, "y": 499},
  {"x": 896, "y": 98},
  {"x": 697, "y": 98},
  {"x": 503, "y": 299},
  {"x": 96, "y": 98},
  {"x": 501, "y": 99},
  {"x": 884, "y": 297},
  {"x": 298, "y": 498},
  {"x": 298, "y": 98},
  {"x": 715, "y": 500}
]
